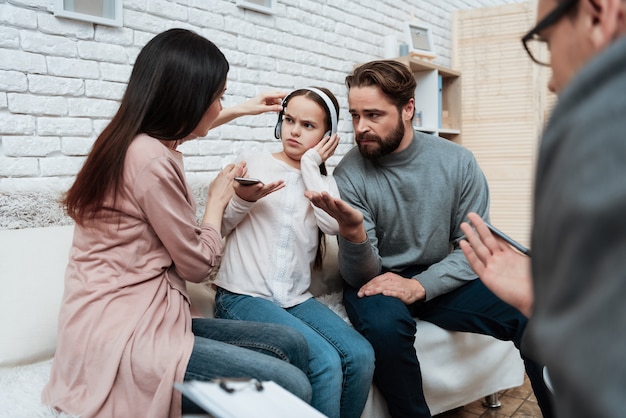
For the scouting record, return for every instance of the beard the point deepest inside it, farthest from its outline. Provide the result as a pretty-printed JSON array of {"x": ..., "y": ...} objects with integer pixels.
[{"x": 379, "y": 147}]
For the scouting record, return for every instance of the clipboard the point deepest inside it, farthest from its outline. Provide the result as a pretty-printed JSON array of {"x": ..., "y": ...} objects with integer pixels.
[{"x": 246, "y": 398}]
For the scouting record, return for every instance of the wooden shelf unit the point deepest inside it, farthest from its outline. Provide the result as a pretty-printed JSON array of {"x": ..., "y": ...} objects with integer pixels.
[{"x": 440, "y": 111}]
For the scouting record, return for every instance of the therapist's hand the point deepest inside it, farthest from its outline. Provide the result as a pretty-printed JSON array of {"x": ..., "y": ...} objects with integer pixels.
[{"x": 506, "y": 272}]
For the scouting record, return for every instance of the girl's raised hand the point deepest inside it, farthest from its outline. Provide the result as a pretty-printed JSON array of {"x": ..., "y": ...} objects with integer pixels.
[{"x": 327, "y": 146}]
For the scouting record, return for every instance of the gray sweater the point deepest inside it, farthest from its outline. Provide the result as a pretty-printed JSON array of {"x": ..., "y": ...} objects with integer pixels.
[{"x": 413, "y": 202}]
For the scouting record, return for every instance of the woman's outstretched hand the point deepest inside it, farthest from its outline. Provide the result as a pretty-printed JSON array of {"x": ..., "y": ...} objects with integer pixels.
[{"x": 263, "y": 102}]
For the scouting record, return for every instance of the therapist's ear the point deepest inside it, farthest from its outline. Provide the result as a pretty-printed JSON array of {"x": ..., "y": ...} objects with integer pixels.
[{"x": 603, "y": 20}]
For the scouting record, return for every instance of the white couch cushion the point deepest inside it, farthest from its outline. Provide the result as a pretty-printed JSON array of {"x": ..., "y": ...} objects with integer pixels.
[
  {"x": 32, "y": 262},
  {"x": 457, "y": 367}
]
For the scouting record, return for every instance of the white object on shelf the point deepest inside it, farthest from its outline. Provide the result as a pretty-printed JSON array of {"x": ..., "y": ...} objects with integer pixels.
[
  {"x": 419, "y": 39},
  {"x": 390, "y": 47}
]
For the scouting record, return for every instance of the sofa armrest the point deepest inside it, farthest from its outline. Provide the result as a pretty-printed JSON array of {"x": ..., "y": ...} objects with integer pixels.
[{"x": 33, "y": 262}]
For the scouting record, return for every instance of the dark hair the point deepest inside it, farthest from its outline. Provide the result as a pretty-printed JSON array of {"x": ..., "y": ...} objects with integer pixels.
[
  {"x": 393, "y": 78},
  {"x": 177, "y": 76},
  {"x": 573, "y": 11},
  {"x": 321, "y": 247}
]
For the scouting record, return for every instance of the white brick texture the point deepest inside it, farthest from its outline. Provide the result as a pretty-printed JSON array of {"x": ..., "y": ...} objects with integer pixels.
[{"x": 61, "y": 79}]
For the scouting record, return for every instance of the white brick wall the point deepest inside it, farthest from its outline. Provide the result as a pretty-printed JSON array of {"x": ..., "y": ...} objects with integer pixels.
[{"x": 60, "y": 79}]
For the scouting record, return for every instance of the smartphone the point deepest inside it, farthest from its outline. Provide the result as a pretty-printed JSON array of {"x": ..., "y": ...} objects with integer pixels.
[
  {"x": 519, "y": 247},
  {"x": 247, "y": 181}
]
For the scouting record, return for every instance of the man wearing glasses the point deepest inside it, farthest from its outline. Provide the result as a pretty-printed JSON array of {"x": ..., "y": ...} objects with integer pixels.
[{"x": 578, "y": 307}]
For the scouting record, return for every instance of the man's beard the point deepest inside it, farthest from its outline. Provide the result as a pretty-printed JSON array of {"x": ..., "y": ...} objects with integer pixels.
[{"x": 385, "y": 146}]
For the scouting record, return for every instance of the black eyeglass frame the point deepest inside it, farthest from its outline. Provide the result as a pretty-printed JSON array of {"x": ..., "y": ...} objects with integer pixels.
[{"x": 550, "y": 19}]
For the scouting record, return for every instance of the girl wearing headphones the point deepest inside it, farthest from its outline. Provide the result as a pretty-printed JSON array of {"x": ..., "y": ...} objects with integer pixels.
[{"x": 274, "y": 238}]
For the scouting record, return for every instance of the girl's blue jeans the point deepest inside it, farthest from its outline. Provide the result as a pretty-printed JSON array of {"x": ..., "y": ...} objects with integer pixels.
[{"x": 341, "y": 361}]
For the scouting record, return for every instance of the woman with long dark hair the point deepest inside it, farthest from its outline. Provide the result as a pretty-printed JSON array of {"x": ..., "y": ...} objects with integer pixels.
[{"x": 126, "y": 333}]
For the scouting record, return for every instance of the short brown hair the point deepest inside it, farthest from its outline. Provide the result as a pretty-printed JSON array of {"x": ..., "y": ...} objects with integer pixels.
[{"x": 394, "y": 79}]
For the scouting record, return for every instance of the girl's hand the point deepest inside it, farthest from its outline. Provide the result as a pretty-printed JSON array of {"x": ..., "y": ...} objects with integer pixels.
[
  {"x": 327, "y": 146},
  {"x": 350, "y": 220},
  {"x": 255, "y": 192}
]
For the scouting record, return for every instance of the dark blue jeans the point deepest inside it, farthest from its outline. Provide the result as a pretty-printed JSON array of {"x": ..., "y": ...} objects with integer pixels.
[{"x": 388, "y": 325}]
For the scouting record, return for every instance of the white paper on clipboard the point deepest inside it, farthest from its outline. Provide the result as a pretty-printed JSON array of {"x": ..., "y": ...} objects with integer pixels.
[{"x": 246, "y": 401}]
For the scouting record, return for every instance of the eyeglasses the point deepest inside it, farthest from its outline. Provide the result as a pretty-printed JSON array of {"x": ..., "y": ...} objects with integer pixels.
[{"x": 534, "y": 43}]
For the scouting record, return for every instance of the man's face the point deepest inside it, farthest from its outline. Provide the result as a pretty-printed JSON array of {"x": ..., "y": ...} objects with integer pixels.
[
  {"x": 378, "y": 125},
  {"x": 573, "y": 39},
  {"x": 559, "y": 37}
]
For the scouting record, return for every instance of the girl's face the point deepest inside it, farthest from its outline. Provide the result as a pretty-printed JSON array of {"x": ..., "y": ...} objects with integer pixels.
[{"x": 303, "y": 126}]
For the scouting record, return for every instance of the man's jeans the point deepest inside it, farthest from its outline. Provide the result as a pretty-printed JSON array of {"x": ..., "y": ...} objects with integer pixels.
[
  {"x": 389, "y": 326},
  {"x": 341, "y": 361},
  {"x": 225, "y": 348}
]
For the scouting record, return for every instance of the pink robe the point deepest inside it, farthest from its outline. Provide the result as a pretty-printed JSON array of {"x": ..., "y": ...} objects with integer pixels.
[{"x": 124, "y": 332}]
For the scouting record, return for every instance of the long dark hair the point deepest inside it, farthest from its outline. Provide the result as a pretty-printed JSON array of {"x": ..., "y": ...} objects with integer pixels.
[
  {"x": 176, "y": 77},
  {"x": 321, "y": 247}
]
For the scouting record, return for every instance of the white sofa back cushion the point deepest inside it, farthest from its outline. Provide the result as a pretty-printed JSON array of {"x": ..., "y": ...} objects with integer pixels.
[{"x": 32, "y": 262}]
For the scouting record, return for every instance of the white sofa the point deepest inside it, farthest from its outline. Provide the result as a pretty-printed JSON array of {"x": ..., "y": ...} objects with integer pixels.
[{"x": 458, "y": 368}]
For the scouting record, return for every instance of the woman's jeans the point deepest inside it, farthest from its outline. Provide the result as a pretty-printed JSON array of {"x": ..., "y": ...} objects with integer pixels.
[
  {"x": 225, "y": 348},
  {"x": 341, "y": 361}
]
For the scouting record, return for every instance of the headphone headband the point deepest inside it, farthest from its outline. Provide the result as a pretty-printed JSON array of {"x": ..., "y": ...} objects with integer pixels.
[{"x": 330, "y": 107}]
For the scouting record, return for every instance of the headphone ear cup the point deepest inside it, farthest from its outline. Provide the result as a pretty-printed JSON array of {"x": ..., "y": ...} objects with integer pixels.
[{"x": 278, "y": 126}]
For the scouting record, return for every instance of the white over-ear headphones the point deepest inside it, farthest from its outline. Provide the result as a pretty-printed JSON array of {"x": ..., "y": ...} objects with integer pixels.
[{"x": 330, "y": 109}]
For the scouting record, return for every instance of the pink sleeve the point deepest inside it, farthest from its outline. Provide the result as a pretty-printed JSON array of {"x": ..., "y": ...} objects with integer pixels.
[{"x": 162, "y": 193}]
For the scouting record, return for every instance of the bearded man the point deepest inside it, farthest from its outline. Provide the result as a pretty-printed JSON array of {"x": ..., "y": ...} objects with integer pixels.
[{"x": 404, "y": 195}]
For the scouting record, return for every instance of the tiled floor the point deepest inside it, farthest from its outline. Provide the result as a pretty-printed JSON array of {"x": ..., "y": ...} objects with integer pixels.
[{"x": 516, "y": 403}]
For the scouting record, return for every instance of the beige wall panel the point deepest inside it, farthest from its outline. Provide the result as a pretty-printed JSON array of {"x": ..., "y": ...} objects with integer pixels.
[{"x": 504, "y": 106}]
